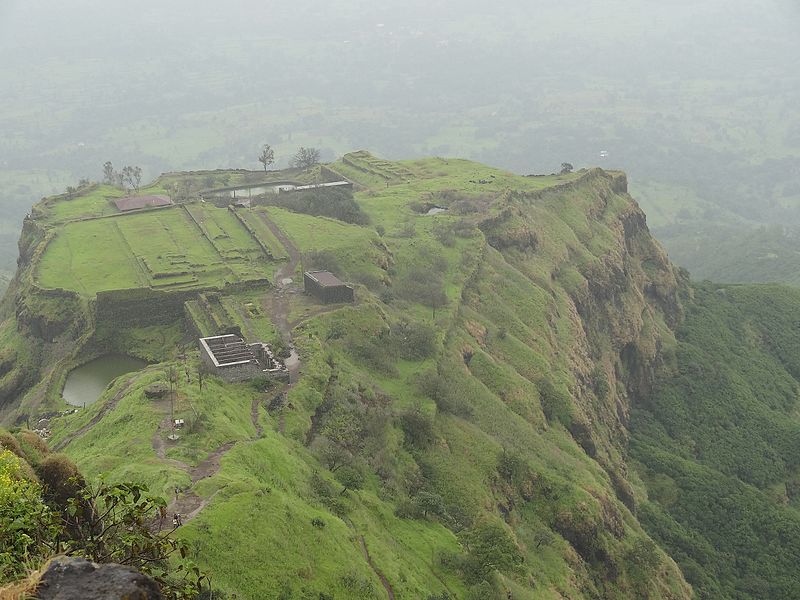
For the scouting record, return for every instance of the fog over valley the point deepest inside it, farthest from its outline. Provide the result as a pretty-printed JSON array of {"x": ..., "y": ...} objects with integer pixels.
[{"x": 697, "y": 102}]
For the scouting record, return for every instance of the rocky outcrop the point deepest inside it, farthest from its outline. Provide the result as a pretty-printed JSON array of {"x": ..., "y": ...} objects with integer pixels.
[{"x": 68, "y": 578}]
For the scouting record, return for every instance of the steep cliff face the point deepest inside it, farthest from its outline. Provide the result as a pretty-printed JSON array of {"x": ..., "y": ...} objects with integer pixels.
[
  {"x": 40, "y": 326},
  {"x": 576, "y": 298},
  {"x": 610, "y": 280}
]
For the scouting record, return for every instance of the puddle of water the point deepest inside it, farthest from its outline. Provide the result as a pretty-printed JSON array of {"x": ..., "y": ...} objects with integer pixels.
[
  {"x": 87, "y": 383},
  {"x": 436, "y": 210}
]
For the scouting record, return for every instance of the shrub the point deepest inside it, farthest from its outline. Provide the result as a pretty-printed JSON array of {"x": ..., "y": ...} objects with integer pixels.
[
  {"x": 556, "y": 404},
  {"x": 350, "y": 477},
  {"x": 34, "y": 447},
  {"x": 490, "y": 547},
  {"x": 413, "y": 340},
  {"x": 372, "y": 352},
  {"x": 429, "y": 504},
  {"x": 61, "y": 479},
  {"x": 324, "y": 202},
  {"x": 28, "y": 528},
  {"x": 511, "y": 467},
  {"x": 417, "y": 427},
  {"x": 10, "y": 443},
  {"x": 448, "y": 391},
  {"x": 358, "y": 586},
  {"x": 324, "y": 260}
]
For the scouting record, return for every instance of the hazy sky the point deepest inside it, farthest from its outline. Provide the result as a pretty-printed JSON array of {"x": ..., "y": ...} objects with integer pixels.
[{"x": 682, "y": 94}]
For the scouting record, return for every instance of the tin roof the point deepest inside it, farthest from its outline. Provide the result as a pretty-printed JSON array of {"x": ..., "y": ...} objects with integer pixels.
[{"x": 325, "y": 278}]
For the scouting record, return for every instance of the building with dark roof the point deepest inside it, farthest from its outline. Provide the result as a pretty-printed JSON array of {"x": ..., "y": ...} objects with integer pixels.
[
  {"x": 327, "y": 288},
  {"x": 139, "y": 202},
  {"x": 229, "y": 357}
]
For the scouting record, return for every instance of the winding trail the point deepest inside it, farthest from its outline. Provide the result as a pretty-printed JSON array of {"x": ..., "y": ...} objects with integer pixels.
[
  {"x": 277, "y": 302},
  {"x": 254, "y": 417},
  {"x": 386, "y": 585},
  {"x": 187, "y": 503}
]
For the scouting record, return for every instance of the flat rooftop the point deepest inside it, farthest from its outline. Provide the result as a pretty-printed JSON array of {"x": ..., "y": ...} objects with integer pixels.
[
  {"x": 325, "y": 278},
  {"x": 227, "y": 350},
  {"x": 137, "y": 202}
]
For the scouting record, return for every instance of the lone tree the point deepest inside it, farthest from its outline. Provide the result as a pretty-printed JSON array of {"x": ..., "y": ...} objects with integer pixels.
[
  {"x": 566, "y": 168},
  {"x": 109, "y": 174},
  {"x": 132, "y": 176},
  {"x": 267, "y": 156},
  {"x": 305, "y": 157}
]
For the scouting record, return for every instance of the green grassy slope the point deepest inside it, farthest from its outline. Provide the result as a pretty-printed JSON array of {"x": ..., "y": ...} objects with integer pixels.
[
  {"x": 461, "y": 428},
  {"x": 717, "y": 444}
]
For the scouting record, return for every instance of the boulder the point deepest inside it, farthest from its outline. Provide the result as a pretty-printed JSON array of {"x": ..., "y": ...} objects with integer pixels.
[{"x": 71, "y": 578}]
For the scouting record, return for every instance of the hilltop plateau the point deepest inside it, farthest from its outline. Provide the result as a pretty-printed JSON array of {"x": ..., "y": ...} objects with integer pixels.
[{"x": 525, "y": 400}]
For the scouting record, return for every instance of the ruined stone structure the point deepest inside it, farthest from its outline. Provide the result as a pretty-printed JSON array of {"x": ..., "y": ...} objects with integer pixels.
[
  {"x": 326, "y": 287},
  {"x": 233, "y": 360}
]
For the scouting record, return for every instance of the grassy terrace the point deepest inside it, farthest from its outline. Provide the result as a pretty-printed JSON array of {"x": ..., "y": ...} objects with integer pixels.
[
  {"x": 195, "y": 246},
  {"x": 393, "y": 186}
]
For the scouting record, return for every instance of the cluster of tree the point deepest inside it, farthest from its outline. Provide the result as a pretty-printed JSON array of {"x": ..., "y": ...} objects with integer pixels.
[
  {"x": 406, "y": 339},
  {"x": 336, "y": 203},
  {"x": 304, "y": 158},
  {"x": 348, "y": 437},
  {"x": 183, "y": 189},
  {"x": 424, "y": 283},
  {"x": 72, "y": 190},
  {"x": 47, "y": 508},
  {"x": 129, "y": 176},
  {"x": 719, "y": 445}
]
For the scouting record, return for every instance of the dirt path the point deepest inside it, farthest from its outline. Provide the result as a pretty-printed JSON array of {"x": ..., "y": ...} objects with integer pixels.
[
  {"x": 386, "y": 585},
  {"x": 277, "y": 302},
  {"x": 187, "y": 503},
  {"x": 254, "y": 416},
  {"x": 315, "y": 312},
  {"x": 160, "y": 447},
  {"x": 288, "y": 269},
  {"x": 210, "y": 465}
]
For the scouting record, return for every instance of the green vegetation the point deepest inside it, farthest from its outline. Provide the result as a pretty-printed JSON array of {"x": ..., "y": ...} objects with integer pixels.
[
  {"x": 178, "y": 248},
  {"x": 718, "y": 445},
  {"x": 461, "y": 430},
  {"x": 321, "y": 202},
  {"x": 47, "y": 509}
]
